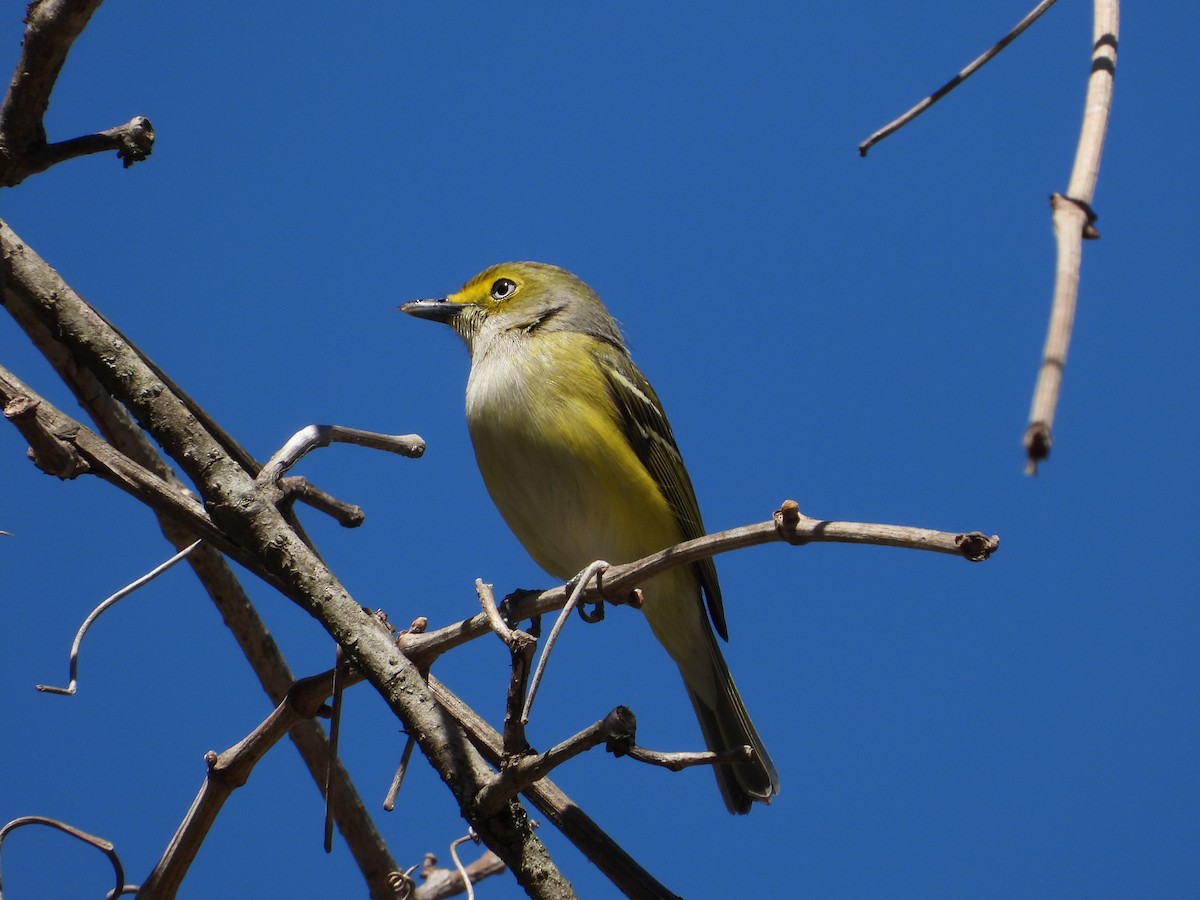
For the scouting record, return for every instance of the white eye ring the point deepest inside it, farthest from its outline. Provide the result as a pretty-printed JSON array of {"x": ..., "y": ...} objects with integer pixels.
[{"x": 503, "y": 288}]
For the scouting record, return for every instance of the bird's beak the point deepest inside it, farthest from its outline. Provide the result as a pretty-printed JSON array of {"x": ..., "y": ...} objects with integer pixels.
[{"x": 437, "y": 310}]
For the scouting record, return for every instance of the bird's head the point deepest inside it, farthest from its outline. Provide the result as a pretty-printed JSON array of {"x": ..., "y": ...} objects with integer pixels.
[{"x": 520, "y": 298}]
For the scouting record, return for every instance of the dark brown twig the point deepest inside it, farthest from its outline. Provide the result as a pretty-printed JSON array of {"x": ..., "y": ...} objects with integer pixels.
[
  {"x": 971, "y": 69},
  {"x": 51, "y": 28},
  {"x": 609, "y": 856},
  {"x": 521, "y": 646}
]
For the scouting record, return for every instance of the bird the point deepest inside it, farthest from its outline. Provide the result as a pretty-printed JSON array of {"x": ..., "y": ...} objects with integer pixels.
[{"x": 577, "y": 454}]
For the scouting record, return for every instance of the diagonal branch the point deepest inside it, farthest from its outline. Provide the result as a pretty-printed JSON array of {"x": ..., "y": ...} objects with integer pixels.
[
  {"x": 247, "y": 519},
  {"x": 974, "y": 66},
  {"x": 608, "y": 856}
]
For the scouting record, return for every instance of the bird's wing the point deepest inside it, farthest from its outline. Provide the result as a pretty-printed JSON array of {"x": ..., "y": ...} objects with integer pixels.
[{"x": 649, "y": 433}]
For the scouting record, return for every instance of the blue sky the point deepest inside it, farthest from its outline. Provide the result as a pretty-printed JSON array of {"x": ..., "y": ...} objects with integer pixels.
[{"x": 859, "y": 335}]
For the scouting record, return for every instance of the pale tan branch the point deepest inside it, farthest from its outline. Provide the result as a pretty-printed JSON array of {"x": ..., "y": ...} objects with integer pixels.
[
  {"x": 974, "y": 66},
  {"x": 1073, "y": 219},
  {"x": 620, "y": 580}
]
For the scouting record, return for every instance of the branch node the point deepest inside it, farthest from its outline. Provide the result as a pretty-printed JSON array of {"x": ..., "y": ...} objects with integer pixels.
[
  {"x": 976, "y": 546},
  {"x": 1089, "y": 231},
  {"x": 1038, "y": 440},
  {"x": 136, "y": 139},
  {"x": 620, "y": 728},
  {"x": 53, "y": 453},
  {"x": 787, "y": 518}
]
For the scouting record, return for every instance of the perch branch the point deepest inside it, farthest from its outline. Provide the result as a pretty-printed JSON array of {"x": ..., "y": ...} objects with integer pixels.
[
  {"x": 620, "y": 580},
  {"x": 1073, "y": 220}
]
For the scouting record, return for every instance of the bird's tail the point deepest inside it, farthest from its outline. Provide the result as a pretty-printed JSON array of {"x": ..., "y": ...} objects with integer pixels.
[{"x": 726, "y": 725}]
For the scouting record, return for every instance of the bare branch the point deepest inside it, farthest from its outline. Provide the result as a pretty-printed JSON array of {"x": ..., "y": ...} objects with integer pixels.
[
  {"x": 346, "y": 514},
  {"x": 1073, "y": 219},
  {"x": 679, "y": 761},
  {"x": 788, "y": 525},
  {"x": 131, "y": 453},
  {"x": 389, "y": 802},
  {"x": 971, "y": 69},
  {"x": 521, "y": 646},
  {"x": 227, "y": 772},
  {"x": 247, "y": 522},
  {"x": 442, "y": 883},
  {"x": 133, "y": 141},
  {"x": 51, "y": 28},
  {"x": 618, "y": 866},
  {"x": 617, "y": 729}
]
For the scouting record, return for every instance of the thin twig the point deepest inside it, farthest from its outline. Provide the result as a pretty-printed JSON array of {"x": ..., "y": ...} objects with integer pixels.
[
  {"x": 626, "y": 874},
  {"x": 617, "y": 730},
  {"x": 521, "y": 646},
  {"x": 99, "y": 610},
  {"x": 466, "y": 879},
  {"x": 296, "y": 487},
  {"x": 441, "y": 883},
  {"x": 105, "y": 847},
  {"x": 975, "y": 65},
  {"x": 679, "y": 761},
  {"x": 1073, "y": 219},
  {"x": 340, "y": 671},
  {"x": 389, "y": 802},
  {"x": 578, "y": 585},
  {"x": 228, "y": 771}
]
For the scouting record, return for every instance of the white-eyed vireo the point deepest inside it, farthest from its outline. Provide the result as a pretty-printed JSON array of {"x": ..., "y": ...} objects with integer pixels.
[{"x": 577, "y": 453}]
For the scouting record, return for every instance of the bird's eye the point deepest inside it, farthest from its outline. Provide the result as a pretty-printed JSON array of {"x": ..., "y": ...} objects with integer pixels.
[{"x": 503, "y": 288}]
